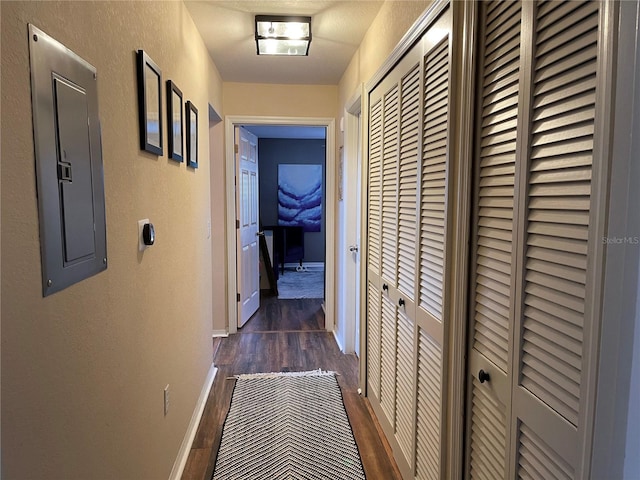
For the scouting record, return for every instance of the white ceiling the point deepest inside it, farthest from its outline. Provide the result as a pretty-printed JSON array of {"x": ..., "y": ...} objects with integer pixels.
[{"x": 337, "y": 28}]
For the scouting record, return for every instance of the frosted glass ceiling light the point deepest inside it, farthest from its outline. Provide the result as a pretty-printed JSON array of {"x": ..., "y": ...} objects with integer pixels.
[{"x": 283, "y": 35}]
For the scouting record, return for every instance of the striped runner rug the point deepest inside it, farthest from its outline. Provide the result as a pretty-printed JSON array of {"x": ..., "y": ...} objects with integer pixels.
[{"x": 289, "y": 425}]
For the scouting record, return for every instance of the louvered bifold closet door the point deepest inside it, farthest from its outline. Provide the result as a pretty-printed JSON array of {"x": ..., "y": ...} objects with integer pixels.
[
  {"x": 431, "y": 311},
  {"x": 374, "y": 220},
  {"x": 409, "y": 130},
  {"x": 407, "y": 227},
  {"x": 535, "y": 261},
  {"x": 548, "y": 401},
  {"x": 389, "y": 259},
  {"x": 493, "y": 266}
]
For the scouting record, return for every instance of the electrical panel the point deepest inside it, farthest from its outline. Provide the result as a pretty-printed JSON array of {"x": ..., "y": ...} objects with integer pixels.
[{"x": 69, "y": 174}]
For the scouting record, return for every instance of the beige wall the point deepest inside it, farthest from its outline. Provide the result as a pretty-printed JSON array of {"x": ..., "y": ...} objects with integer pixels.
[
  {"x": 83, "y": 370},
  {"x": 393, "y": 20},
  {"x": 280, "y": 100}
]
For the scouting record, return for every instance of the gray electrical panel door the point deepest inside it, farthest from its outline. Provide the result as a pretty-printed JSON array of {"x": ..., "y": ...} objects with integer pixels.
[{"x": 68, "y": 154}]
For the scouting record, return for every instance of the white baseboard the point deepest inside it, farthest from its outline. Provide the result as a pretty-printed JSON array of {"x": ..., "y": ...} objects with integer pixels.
[
  {"x": 340, "y": 346},
  {"x": 187, "y": 441},
  {"x": 220, "y": 333}
]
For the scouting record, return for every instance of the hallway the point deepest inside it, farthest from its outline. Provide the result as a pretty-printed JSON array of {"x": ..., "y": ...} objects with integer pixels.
[{"x": 285, "y": 335}]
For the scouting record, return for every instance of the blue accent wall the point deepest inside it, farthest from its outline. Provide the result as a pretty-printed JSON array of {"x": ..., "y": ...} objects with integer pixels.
[{"x": 271, "y": 153}]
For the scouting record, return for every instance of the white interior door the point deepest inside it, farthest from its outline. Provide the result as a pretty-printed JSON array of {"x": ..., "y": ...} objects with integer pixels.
[{"x": 247, "y": 215}]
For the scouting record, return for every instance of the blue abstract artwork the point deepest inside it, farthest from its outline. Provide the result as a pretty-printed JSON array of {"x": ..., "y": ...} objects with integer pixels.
[{"x": 300, "y": 196}]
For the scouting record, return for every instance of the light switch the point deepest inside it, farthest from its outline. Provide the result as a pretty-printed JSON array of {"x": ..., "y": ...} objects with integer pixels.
[{"x": 141, "y": 224}]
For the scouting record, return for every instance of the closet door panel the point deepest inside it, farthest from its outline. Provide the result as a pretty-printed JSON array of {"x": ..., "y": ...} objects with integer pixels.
[
  {"x": 548, "y": 402},
  {"x": 434, "y": 179},
  {"x": 429, "y": 407},
  {"x": 537, "y": 460},
  {"x": 493, "y": 262},
  {"x": 408, "y": 183},
  {"x": 431, "y": 261},
  {"x": 374, "y": 299},
  {"x": 375, "y": 188},
  {"x": 374, "y": 229},
  {"x": 405, "y": 386},
  {"x": 388, "y": 352},
  {"x": 390, "y": 176}
]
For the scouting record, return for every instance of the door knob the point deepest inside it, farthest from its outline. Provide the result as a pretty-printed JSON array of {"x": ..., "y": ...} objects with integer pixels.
[
  {"x": 483, "y": 376},
  {"x": 353, "y": 248},
  {"x": 260, "y": 234},
  {"x": 401, "y": 302},
  {"x": 385, "y": 287}
]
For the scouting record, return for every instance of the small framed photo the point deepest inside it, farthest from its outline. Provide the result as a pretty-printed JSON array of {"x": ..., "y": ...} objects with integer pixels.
[
  {"x": 192, "y": 134},
  {"x": 175, "y": 121},
  {"x": 149, "y": 104}
]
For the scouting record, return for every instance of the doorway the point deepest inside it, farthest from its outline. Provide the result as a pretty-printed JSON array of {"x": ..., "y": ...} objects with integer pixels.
[
  {"x": 231, "y": 207},
  {"x": 292, "y": 203},
  {"x": 349, "y": 221}
]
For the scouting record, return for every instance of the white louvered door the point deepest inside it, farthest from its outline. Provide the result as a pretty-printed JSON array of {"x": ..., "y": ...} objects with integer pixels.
[
  {"x": 535, "y": 236},
  {"x": 406, "y": 254},
  {"x": 491, "y": 306},
  {"x": 432, "y": 236}
]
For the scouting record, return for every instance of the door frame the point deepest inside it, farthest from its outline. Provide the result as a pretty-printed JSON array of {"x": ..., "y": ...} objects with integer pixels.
[
  {"x": 353, "y": 141},
  {"x": 231, "y": 121}
]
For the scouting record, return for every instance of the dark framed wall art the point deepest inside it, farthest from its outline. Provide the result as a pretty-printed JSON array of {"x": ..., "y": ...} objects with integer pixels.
[
  {"x": 149, "y": 104},
  {"x": 175, "y": 122},
  {"x": 192, "y": 134}
]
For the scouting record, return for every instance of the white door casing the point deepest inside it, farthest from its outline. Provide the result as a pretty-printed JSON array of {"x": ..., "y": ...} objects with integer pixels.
[
  {"x": 248, "y": 215},
  {"x": 350, "y": 294},
  {"x": 232, "y": 121}
]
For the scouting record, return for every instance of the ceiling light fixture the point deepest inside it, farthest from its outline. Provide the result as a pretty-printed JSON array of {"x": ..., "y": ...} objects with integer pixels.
[{"x": 283, "y": 35}]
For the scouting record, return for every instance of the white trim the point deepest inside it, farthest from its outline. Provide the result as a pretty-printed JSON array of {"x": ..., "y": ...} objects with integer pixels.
[
  {"x": 330, "y": 196},
  {"x": 187, "y": 441},
  {"x": 463, "y": 33},
  {"x": 352, "y": 152},
  {"x": 338, "y": 341},
  {"x": 364, "y": 246},
  {"x": 621, "y": 274},
  {"x": 407, "y": 41},
  {"x": 219, "y": 333}
]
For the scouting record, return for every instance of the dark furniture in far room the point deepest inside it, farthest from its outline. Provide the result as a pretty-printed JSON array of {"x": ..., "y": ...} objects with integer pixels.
[{"x": 288, "y": 246}]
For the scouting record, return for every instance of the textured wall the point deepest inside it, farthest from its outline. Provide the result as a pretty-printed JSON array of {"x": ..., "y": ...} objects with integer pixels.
[
  {"x": 280, "y": 100},
  {"x": 390, "y": 25},
  {"x": 276, "y": 151},
  {"x": 392, "y": 22},
  {"x": 83, "y": 370}
]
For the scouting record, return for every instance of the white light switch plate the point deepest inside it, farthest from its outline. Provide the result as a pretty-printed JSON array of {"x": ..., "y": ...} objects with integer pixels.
[{"x": 141, "y": 224}]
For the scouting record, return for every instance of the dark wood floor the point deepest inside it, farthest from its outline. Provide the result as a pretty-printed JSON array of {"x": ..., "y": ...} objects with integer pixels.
[{"x": 286, "y": 335}]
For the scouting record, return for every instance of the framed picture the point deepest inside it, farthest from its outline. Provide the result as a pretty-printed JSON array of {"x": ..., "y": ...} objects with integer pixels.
[
  {"x": 149, "y": 104},
  {"x": 192, "y": 134},
  {"x": 175, "y": 122}
]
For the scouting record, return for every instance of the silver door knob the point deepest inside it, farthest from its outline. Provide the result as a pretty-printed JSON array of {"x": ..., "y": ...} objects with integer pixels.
[
  {"x": 260, "y": 234},
  {"x": 353, "y": 248}
]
